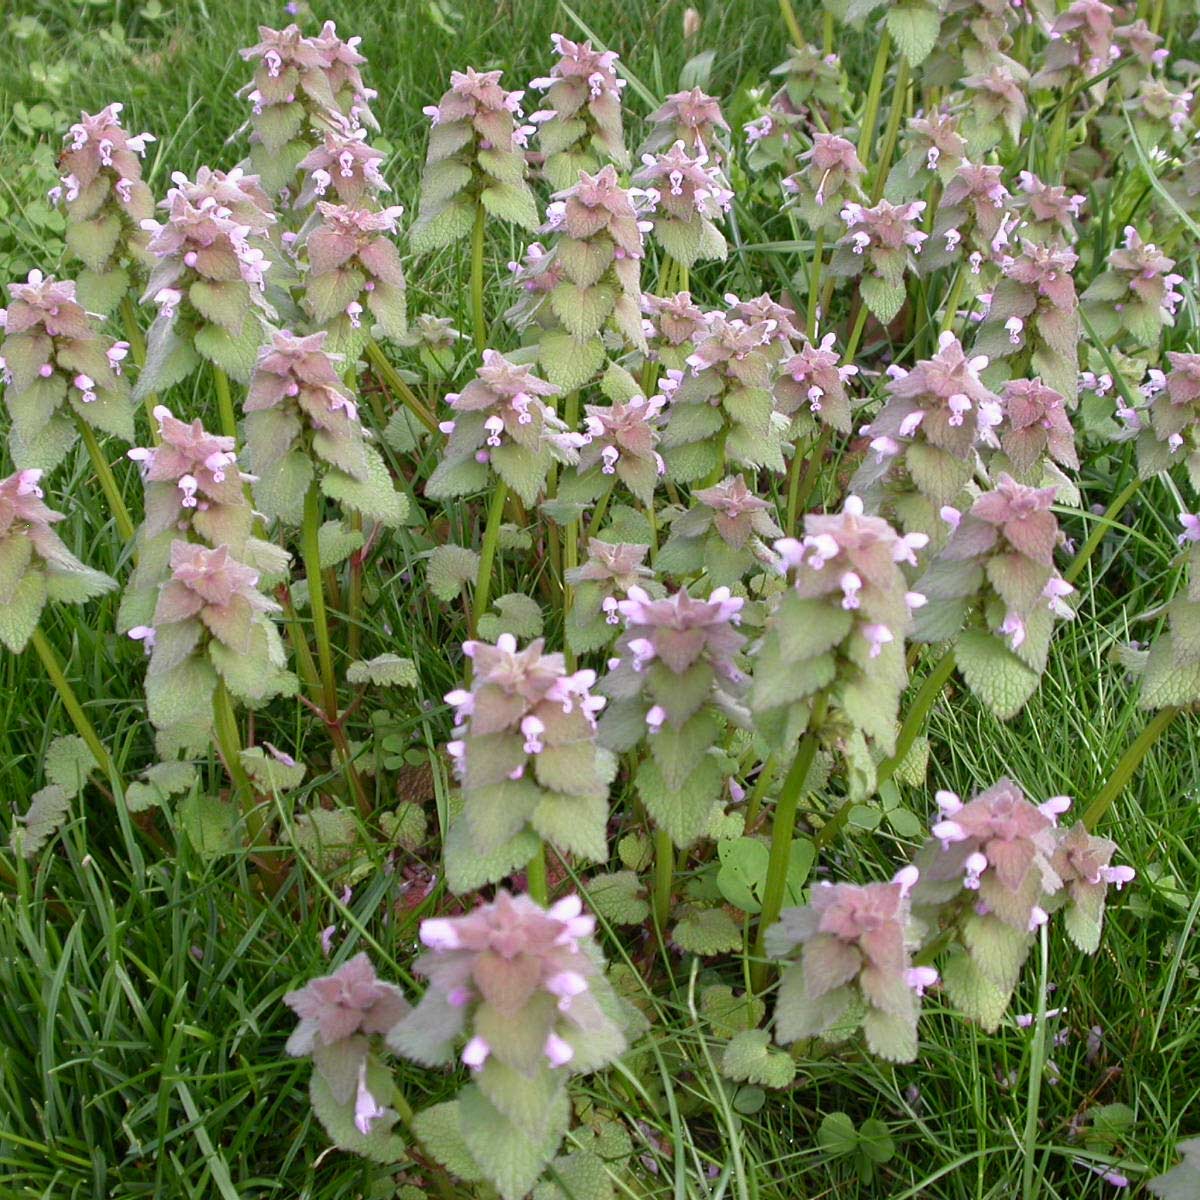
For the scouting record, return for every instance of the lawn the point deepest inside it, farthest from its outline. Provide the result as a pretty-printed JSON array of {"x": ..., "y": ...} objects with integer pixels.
[{"x": 149, "y": 939}]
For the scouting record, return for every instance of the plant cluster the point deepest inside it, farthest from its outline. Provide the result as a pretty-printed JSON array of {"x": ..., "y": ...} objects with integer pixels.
[{"x": 731, "y": 536}]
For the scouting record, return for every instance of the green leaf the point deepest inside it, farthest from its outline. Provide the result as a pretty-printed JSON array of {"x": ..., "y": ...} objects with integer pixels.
[
  {"x": 511, "y": 1158},
  {"x": 969, "y": 990},
  {"x": 579, "y": 1176},
  {"x": 682, "y": 813},
  {"x": 914, "y": 28},
  {"x": 582, "y": 310},
  {"x": 468, "y": 869},
  {"x": 574, "y": 824},
  {"x": 48, "y": 810},
  {"x": 884, "y": 299},
  {"x": 743, "y": 872},
  {"x": 381, "y": 1145},
  {"x": 749, "y": 1058},
  {"x": 450, "y": 568},
  {"x": 336, "y": 542},
  {"x": 997, "y": 676},
  {"x": 374, "y": 496},
  {"x": 440, "y": 226},
  {"x": 567, "y": 362},
  {"x": 19, "y": 617},
  {"x": 440, "y": 1134},
  {"x": 210, "y": 825},
  {"x": 69, "y": 762},
  {"x": 728, "y": 1014},
  {"x": 522, "y": 469},
  {"x": 235, "y": 355},
  {"x": 280, "y": 488},
  {"x": 519, "y": 614},
  {"x": 384, "y": 670},
  {"x": 617, "y": 897},
  {"x": 708, "y": 931},
  {"x": 678, "y": 750},
  {"x": 271, "y": 775},
  {"x": 511, "y": 202},
  {"x": 836, "y": 1135}
]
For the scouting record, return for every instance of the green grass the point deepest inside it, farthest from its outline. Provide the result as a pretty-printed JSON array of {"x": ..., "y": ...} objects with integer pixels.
[{"x": 141, "y": 1023}]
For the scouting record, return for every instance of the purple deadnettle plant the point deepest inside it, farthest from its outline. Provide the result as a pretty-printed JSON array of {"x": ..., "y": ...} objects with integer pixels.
[
  {"x": 1035, "y": 427},
  {"x": 475, "y": 162},
  {"x": 193, "y": 489},
  {"x": 525, "y": 986},
  {"x": 878, "y": 249},
  {"x": 501, "y": 424},
  {"x": 931, "y": 149},
  {"x": 354, "y": 275},
  {"x": 105, "y": 201},
  {"x": 1032, "y": 322},
  {"x": 1172, "y": 433},
  {"x": 722, "y": 408},
  {"x": 829, "y": 177},
  {"x": 600, "y": 583},
  {"x": 302, "y": 424},
  {"x": 301, "y": 87},
  {"x": 211, "y": 620},
  {"x": 935, "y": 418},
  {"x": 832, "y": 658},
  {"x": 999, "y": 565},
  {"x": 854, "y": 967},
  {"x": 580, "y": 127},
  {"x": 724, "y": 535},
  {"x": 989, "y": 878},
  {"x": 675, "y": 684},
  {"x": 673, "y": 325},
  {"x": 59, "y": 373},
  {"x": 587, "y": 287},
  {"x": 811, "y": 388},
  {"x": 686, "y": 196},
  {"x": 526, "y": 757},
  {"x": 209, "y": 282},
  {"x": 346, "y": 166},
  {"x": 1136, "y": 295},
  {"x": 693, "y": 118},
  {"x": 1171, "y": 669},
  {"x": 343, "y": 1016},
  {"x": 35, "y": 565}
]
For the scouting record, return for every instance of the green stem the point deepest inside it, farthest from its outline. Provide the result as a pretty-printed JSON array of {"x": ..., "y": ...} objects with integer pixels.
[
  {"x": 814, "y": 283},
  {"x": 394, "y": 380},
  {"x": 137, "y": 347},
  {"x": 478, "y": 317},
  {"x": 535, "y": 876},
  {"x": 598, "y": 512},
  {"x": 487, "y": 552},
  {"x": 782, "y": 828},
  {"x": 914, "y": 719},
  {"x": 664, "y": 876},
  {"x": 1037, "y": 1060},
  {"x": 793, "y": 26},
  {"x": 1130, "y": 761},
  {"x": 766, "y": 773},
  {"x": 874, "y": 91},
  {"x": 310, "y": 550},
  {"x": 230, "y": 743},
  {"x": 354, "y": 594},
  {"x": 70, "y": 702},
  {"x": 304, "y": 659},
  {"x": 801, "y": 484},
  {"x": 108, "y": 482},
  {"x": 951, "y": 313},
  {"x": 225, "y": 411},
  {"x": 1099, "y": 529},
  {"x": 883, "y": 166},
  {"x": 860, "y": 323}
]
